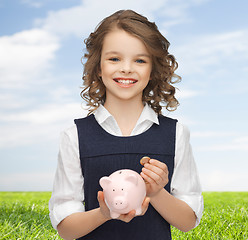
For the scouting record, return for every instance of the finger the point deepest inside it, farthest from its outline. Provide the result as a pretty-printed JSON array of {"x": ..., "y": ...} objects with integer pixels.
[
  {"x": 146, "y": 202},
  {"x": 153, "y": 175},
  {"x": 145, "y": 205},
  {"x": 103, "y": 206},
  {"x": 159, "y": 164},
  {"x": 127, "y": 217},
  {"x": 147, "y": 177},
  {"x": 100, "y": 196},
  {"x": 160, "y": 169},
  {"x": 157, "y": 175},
  {"x": 154, "y": 169}
]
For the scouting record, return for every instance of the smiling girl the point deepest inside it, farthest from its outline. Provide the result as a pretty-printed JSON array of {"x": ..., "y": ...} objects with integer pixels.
[
  {"x": 128, "y": 77},
  {"x": 125, "y": 72}
]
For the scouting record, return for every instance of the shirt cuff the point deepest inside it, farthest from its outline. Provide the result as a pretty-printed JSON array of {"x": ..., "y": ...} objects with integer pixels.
[
  {"x": 195, "y": 201},
  {"x": 63, "y": 210}
]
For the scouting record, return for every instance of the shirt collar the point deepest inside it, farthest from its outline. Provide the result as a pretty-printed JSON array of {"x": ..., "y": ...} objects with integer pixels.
[
  {"x": 102, "y": 114},
  {"x": 148, "y": 114}
]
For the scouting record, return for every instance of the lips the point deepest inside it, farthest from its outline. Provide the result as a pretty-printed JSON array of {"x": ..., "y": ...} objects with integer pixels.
[{"x": 125, "y": 81}]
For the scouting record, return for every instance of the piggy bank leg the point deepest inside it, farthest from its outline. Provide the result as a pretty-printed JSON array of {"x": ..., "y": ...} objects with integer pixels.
[
  {"x": 138, "y": 211},
  {"x": 114, "y": 215}
]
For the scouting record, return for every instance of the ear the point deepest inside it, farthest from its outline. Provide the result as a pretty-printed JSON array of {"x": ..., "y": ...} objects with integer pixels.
[
  {"x": 132, "y": 178},
  {"x": 104, "y": 182}
]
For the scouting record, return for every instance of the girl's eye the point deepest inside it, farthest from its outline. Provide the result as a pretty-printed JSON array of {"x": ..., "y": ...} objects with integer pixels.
[
  {"x": 140, "y": 61},
  {"x": 114, "y": 59}
]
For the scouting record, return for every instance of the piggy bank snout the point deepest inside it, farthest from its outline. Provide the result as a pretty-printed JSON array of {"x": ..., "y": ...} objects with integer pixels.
[{"x": 120, "y": 202}]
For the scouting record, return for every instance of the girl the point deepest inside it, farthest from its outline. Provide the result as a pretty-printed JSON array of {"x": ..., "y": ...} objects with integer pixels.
[{"x": 128, "y": 77}]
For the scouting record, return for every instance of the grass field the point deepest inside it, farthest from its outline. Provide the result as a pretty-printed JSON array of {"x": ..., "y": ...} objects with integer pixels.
[{"x": 24, "y": 215}]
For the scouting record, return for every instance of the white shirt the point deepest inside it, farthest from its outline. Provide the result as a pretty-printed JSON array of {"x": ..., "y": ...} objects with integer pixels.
[{"x": 68, "y": 192}]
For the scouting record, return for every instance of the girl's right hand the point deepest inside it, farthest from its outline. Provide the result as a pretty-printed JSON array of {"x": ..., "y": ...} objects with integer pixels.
[
  {"x": 103, "y": 207},
  {"x": 123, "y": 217}
]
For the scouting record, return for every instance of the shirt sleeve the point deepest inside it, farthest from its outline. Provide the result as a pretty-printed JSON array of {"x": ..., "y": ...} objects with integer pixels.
[
  {"x": 68, "y": 195},
  {"x": 185, "y": 184}
]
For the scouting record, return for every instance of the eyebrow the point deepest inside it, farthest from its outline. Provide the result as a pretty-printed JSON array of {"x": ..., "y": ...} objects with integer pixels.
[{"x": 138, "y": 55}]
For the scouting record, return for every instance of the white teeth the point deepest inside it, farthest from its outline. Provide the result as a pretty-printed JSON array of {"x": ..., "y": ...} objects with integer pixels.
[{"x": 125, "y": 81}]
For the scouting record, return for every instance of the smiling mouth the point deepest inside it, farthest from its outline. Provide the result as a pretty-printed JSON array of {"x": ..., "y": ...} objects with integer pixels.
[{"x": 125, "y": 81}]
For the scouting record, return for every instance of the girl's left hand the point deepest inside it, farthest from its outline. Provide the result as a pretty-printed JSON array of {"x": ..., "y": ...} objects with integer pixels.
[{"x": 155, "y": 174}]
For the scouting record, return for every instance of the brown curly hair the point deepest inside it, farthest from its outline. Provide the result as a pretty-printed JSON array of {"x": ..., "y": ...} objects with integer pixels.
[{"x": 159, "y": 92}]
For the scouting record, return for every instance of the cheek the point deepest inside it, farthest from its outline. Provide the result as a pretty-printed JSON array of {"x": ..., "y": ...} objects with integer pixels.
[
  {"x": 103, "y": 68},
  {"x": 148, "y": 70},
  {"x": 148, "y": 74},
  {"x": 107, "y": 70}
]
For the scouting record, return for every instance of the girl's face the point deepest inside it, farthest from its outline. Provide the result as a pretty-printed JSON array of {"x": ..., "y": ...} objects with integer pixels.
[{"x": 125, "y": 66}]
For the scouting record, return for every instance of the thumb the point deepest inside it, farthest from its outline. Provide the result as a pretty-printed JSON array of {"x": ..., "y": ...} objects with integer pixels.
[
  {"x": 103, "y": 207},
  {"x": 100, "y": 195}
]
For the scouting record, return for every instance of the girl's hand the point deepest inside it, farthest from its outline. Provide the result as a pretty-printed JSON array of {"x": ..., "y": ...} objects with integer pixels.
[
  {"x": 129, "y": 216},
  {"x": 123, "y": 217},
  {"x": 155, "y": 174},
  {"x": 103, "y": 207}
]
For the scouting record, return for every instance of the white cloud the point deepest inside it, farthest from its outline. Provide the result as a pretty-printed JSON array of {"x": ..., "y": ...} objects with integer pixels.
[
  {"x": 11, "y": 101},
  {"x": 25, "y": 56},
  {"x": 187, "y": 93},
  {"x": 212, "y": 50},
  {"x": 210, "y": 134},
  {"x": 82, "y": 19},
  {"x": 79, "y": 20},
  {"x": 172, "y": 10},
  {"x": 38, "y": 125},
  {"x": 61, "y": 94},
  {"x": 26, "y": 181},
  {"x": 47, "y": 114},
  {"x": 231, "y": 141},
  {"x": 241, "y": 140},
  {"x": 218, "y": 180},
  {"x": 32, "y": 3},
  {"x": 236, "y": 144}
]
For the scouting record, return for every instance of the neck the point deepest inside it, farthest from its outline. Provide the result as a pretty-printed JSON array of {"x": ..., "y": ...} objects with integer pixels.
[{"x": 126, "y": 113}]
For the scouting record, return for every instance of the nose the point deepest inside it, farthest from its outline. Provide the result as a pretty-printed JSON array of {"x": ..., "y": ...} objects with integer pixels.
[
  {"x": 120, "y": 203},
  {"x": 126, "y": 67}
]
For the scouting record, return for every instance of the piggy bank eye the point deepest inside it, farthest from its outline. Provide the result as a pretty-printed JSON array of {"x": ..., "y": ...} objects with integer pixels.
[
  {"x": 113, "y": 189},
  {"x": 122, "y": 189},
  {"x": 120, "y": 172}
]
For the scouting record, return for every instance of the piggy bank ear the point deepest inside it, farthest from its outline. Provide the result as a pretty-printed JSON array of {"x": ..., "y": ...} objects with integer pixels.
[
  {"x": 132, "y": 178},
  {"x": 104, "y": 182}
]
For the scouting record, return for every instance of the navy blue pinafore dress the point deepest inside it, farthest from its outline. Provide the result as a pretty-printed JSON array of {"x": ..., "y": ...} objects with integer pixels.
[{"x": 102, "y": 153}]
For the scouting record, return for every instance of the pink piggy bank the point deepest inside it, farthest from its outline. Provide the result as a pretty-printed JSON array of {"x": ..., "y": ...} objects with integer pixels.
[{"x": 124, "y": 190}]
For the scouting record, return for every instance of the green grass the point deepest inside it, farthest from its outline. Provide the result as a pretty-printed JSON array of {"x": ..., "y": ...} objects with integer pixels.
[
  {"x": 225, "y": 217},
  {"x": 25, "y": 215}
]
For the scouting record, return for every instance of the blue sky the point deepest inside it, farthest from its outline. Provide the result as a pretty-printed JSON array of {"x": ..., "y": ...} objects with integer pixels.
[{"x": 41, "y": 44}]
